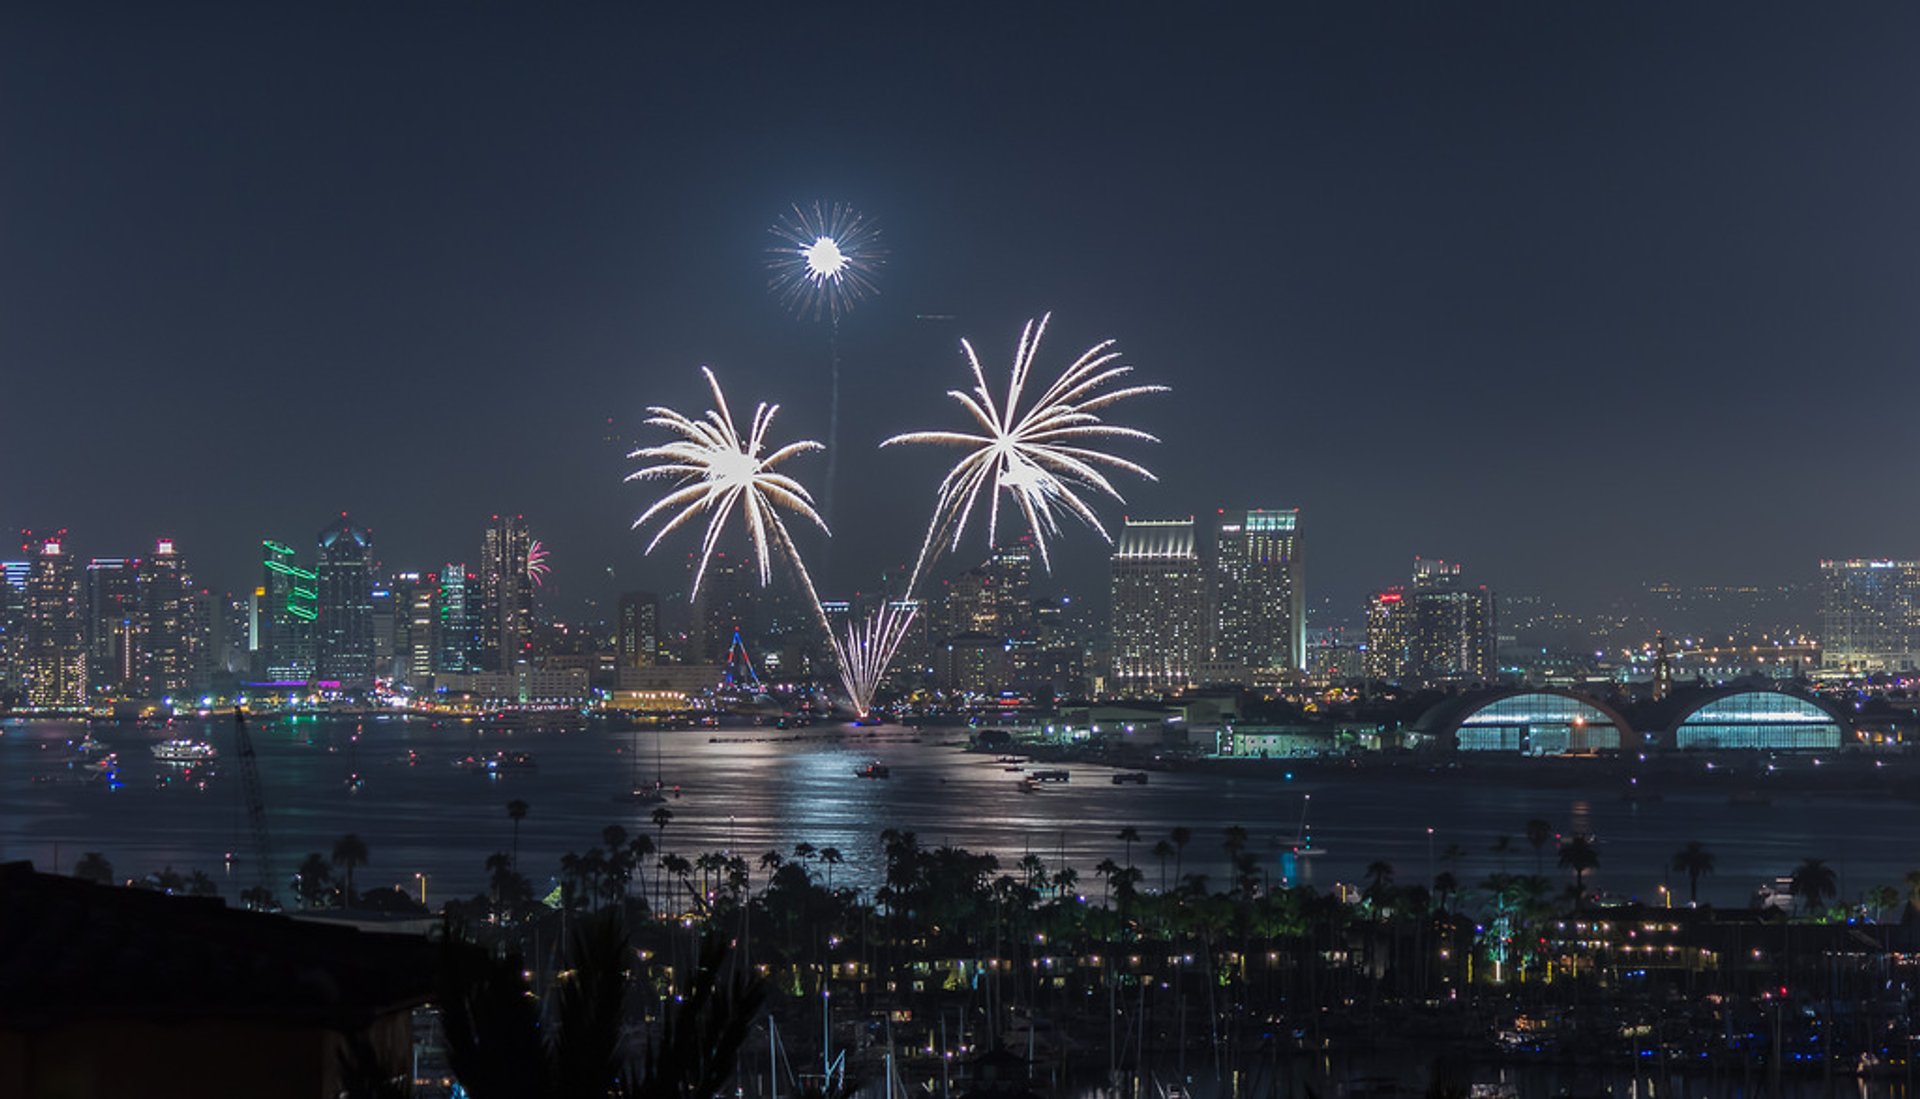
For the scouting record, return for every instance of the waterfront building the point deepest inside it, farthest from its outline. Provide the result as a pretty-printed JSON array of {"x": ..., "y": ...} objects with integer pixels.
[
  {"x": 1389, "y": 628},
  {"x": 290, "y": 601},
  {"x": 638, "y": 631},
  {"x": 416, "y": 620},
  {"x": 1771, "y": 721},
  {"x": 55, "y": 646},
  {"x": 1259, "y": 591},
  {"x": 507, "y": 590},
  {"x": 113, "y": 625},
  {"x": 458, "y": 630},
  {"x": 1535, "y": 722},
  {"x": 344, "y": 631},
  {"x": 724, "y": 604},
  {"x": 173, "y": 632},
  {"x": 1452, "y": 626},
  {"x": 1159, "y": 605},
  {"x": 1869, "y": 616}
]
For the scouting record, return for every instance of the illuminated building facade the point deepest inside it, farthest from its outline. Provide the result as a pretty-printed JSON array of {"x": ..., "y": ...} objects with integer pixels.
[
  {"x": 1259, "y": 593},
  {"x": 458, "y": 626},
  {"x": 506, "y": 588},
  {"x": 344, "y": 631},
  {"x": 1160, "y": 628},
  {"x": 113, "y": 625},
  {"x": 174, "y": 628},
  {"x": 1389, "y": 627},
  {"x": 638, "y": 633},
  {"x": 1451, "y": 635},
  {"x": 725, "y": 603},
  {"x": 1763, "y": 720},
  {"x": 290, "y": 607},
  {"x": 416, "y": 618},
  {"x": 1869, "y": 616},
  {"x": 55, "y": 648},
  {"x": 1527, "y": 722}
]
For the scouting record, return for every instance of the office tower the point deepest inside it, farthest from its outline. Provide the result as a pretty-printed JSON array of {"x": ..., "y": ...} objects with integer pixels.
[
  {"x": 1160, "y": 630},
  {"x": 344, "y": 651},
  {"x": 724, "y": 604},
  {"x": 113, "y": 625},
  {"x": 173, "y": 647},
  {"x": 506, "y": 589},
  {"x": 1451, "y": 634},
  {"x": 1011, "y": 567},
  {"x": 638, "y": 629},
  {"x": 13, "y": 612},
  {"x": 55, "y": 633},
  {"x": 1869, "y": 616},
  {"x": 459, "y": 626},
  {"x": 969, "y": 604},
  {"x": 415, "y": 600},
  {"x": 290, "y": 598},
  {"x": 233, "y": 642},
  {"x": 1259, "y": 595},
  {"x": 1389, "y": 629}
]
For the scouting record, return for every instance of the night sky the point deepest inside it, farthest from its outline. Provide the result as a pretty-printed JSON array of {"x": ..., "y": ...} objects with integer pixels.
[{"x": 1582, "y": 295}]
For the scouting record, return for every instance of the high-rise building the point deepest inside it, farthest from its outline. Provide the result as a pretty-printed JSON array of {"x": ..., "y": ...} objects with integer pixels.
[
  {"x": 55, "y": 632},
  {"x": 289, "y": 602},
  {"x": 507, "y": 590},
  {"x": 724, "y": 604},
  {"x": 1160, "y": 632},
  {"x": 638, "y": 641},
  {"x": 13, "y": 616},
  {"x": 344, "y": 631},
  {"x": 113, "y": 625},
  {"x": 1869, "y": 616},
  {"x": 1389, "y": 628},
  {"x": 173, "y": 634},
  {"x": 416, "y": 645},
  {"x": 459, "y": 627},
  {"x": 1451, "y": 636},
  {"x": 1259, "y": 594}
]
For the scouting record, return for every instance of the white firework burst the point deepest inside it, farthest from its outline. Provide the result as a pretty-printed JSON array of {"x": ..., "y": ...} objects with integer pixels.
[
  {"x": 718, "y": 472},
  {"x": 537, "y": 569},
  {"x": 1044, "y": 455},
  {"x": 825, "y": 260},
  {"x": 868, "y": 648}
]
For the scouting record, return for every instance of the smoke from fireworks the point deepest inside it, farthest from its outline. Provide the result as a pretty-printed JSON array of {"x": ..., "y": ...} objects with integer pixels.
[
  {"x": 1043, "y": 456},
  {"x": 825, "y": 260},
  {"x": 718, "y": 472},
  {"x": 537, "y": 569}
]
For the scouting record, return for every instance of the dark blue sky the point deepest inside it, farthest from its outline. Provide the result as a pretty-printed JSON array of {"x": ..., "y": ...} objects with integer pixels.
[{"x": 1581, "y": 295}]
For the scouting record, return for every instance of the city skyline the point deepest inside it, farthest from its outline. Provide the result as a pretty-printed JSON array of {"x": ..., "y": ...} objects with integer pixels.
[{"x": 1421, "y": 253}]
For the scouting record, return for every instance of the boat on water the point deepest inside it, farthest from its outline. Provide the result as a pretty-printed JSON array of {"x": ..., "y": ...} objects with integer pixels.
[
  {"x": 1302, "y": 846},
  {"x": 1136, "y": 778},
  {"x": 1052, "y": 776},
  {"x": 873, "y": 769},
  {"x": 88, "y": 745},
  {"x": 183, "y": 750}
]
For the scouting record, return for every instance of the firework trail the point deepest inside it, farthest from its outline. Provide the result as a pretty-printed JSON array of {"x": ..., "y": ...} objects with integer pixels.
[
  {"x": 717, "y": 472},
  {"x": 822, "y": 266},
  {"x": 868, "y": 648},
  {"x": 1044, "y": 456},
  {"x": 537, "y": 569}
]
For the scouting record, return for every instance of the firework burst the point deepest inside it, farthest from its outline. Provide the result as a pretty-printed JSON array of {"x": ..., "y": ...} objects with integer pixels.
[
  {"x": 1043, "y": 456},
  {"x": 717, "y": 472},
  {"x": 825, "y": 261},
  {"x": 537, "y": 569},
  {"x": 868, "y": 648}
]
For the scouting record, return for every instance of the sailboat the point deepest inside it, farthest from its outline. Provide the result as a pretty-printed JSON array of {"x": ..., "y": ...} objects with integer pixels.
[
  {"x": 656, "y": 792},
  {"x": 1303, "y": 846}
]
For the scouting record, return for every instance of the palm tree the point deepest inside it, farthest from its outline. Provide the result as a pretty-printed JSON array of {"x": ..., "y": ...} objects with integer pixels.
[
  {"x": 1163, "y": 851},
  {"x": 661, "y": 817},
  {"x": 1579, "y": 855},
  {"x": 1501, "y": 845},
  {"x": 1694, "y": 861},
  {"x": 1880, "y": 898},
  {"x": 1913, "y": 888},
  {"x": 315, "y": 875},
  {"x": 639, "y": 853},
  {"x": 1180, "y": 837},
  {"x": 1814, "y": 881},
  {"x": 1129, "y": 836},
  {"x": 94, "y": 867},
  {"x": 1107, "y": 868},
  {"x": 1234, "y": 839},
  {"x": 830, "y": 856},
  {"x": 516, "y": 812},
  {"x": 1539, "y": 833},
  {"x": 349, "y": 851}
]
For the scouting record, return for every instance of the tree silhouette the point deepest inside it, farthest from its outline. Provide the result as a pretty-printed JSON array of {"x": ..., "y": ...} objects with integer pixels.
[
  {"x": 1814, "y": 882},
  {"x": 1129, "y": 836},
  {"x": 315, "y": 880},
  {"x": 1579, "y": 855},
  {"x": 1695, "y": 861},
  {"x": 349, "y": 852},
  {"x": 1180, "y": 837},
  {"x": 1163, "y": 851},
  {"x": 516, "y": 812},
  {"x": 94, "y": 867},
  {"x": 1539, "y": 834}
]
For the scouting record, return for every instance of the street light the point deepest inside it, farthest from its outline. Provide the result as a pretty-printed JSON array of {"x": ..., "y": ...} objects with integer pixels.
[{"x": 422, "y": 878}]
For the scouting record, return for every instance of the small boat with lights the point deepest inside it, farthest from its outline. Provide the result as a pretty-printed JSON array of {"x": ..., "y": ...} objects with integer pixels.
[
  {"x": 184, "y": 751},
  {"x": 873, "y": 769}
]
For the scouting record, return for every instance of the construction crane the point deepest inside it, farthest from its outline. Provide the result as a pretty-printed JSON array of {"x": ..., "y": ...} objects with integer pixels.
[{"x": 256, "y": 810}]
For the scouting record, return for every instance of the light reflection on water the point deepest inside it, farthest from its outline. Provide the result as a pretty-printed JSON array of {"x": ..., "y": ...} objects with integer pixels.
[{"x": 752, "y": 790}]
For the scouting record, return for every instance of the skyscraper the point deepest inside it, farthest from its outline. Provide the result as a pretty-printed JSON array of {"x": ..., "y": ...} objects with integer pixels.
[
  {"x": 290, "y": 601},
  {"x": 1389, "y": 627},
  {"x": 1869, "y": 616},
  {"x": 458, "y": 631},
  {"x": 725, "y": 603},
  {"x": 1451, "y": 638},
  {"x": 56, "y": 646},
  {"x": 416, "y": 610},
  {"x": 639, "y": 629},
  {"x": 507, "y": 590},
  {"x": 113, "y": 625},
  {"x": 173, "y": 634},
  {"x": 344, "y": 630},
  {"x": 1160, "y": 629},
  {"x": 1259, "y": 595}
]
